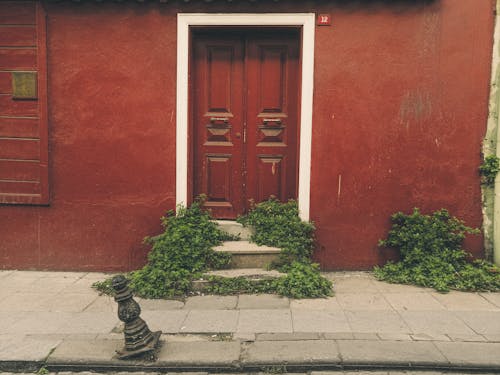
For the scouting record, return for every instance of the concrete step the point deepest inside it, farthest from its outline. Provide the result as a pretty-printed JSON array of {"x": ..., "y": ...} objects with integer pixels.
[
  {"x": 247, "y": 254},
  {"x": 252, "y": 274},
  {"x": 235, "y": 229}
]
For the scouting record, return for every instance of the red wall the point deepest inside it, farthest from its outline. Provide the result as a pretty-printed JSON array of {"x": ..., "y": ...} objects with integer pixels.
[{"x": 400, "y": 109}]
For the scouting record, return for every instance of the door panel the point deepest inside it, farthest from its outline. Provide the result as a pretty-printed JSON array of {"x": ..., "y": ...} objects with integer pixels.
[
  {"x": 245, "y": 116},
  {"x": 217, "y": 110},
  {"x": 273, "y": 71}
]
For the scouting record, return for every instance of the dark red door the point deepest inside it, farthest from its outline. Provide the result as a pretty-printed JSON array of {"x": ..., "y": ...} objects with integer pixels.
[{"x": 245, "y": 117}]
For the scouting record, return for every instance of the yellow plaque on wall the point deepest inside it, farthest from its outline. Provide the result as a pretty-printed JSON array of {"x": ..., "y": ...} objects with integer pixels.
[{"x": 24, "y": 85}]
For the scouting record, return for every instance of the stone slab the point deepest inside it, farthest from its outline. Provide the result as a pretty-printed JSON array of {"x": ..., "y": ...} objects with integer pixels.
[
  {"x": 471, "y": 354},
  {"x": 168, "y": 321},
  {"x": 294, "y": 336},
  {"x": 198, "y": 354},
  {"x": 330, "y": 303},
  {"x": 246, "y": 247},
  {"x": 85, "y": 351},
  {"x": 389, "y": 352},
  {"x": 211, "y": 302},
  {"x": 435, "y": 322},
  {"x": 463, "y": 301},
  {"x": 413, "y": 301},
  {"x": 265, "y": 321},
  {"x": 210, "y": 321},
  {"x": 319, "y": 321},
  {"x": 363, "y": 301},
  {"x": 22, "y": 348},
  {"x": 291, "y": 352},
  {"x": 376, "y": 321},
  {"x": 482, "y": 322},
  {"x": 159, "y": 304},
  {"x": 262, "y": 301}
]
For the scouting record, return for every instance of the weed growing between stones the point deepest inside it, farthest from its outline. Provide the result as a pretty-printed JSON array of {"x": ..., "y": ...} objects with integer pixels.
[
  {"x": 431, "y": 253},
  {"x": 183, "y": 252}
]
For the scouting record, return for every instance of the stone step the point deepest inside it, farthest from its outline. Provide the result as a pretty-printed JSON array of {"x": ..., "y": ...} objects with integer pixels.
[
  {"x": 247, "y": 254},
  {"x": 252, "y": 274},
  {"x": 235, "y": 229}
]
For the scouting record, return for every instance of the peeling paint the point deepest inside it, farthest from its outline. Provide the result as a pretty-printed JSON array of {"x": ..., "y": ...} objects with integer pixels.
[{"x": 491, "y": 201}]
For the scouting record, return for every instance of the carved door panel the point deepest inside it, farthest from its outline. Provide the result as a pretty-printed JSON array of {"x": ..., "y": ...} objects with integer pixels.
[{"x": 244, "y": 126}]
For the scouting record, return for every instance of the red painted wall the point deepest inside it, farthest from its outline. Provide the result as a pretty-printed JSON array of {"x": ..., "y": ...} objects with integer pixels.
[{"x": 400, "y": 109}]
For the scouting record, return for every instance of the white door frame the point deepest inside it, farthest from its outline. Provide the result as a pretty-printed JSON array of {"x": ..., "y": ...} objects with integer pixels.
[{"x": 304, "y": 20}]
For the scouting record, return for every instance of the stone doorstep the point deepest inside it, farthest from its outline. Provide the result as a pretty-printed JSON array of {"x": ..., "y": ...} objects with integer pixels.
[
  {"x": 235, "y": 229},
  {"x": 252, "y": 274},
  {"x": 246, "y": 254}
]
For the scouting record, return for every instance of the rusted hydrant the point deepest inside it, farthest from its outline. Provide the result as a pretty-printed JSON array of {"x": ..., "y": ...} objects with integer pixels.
[{"x": 138, "y": 338}]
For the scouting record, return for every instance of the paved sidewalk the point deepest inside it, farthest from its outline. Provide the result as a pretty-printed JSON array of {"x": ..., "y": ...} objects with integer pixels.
[{"x": 55, "y": 319}]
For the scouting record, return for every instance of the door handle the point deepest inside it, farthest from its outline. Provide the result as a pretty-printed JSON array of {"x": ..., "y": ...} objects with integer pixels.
[
  {"x": 237, "y": 135},
  {"x": 223, "y": 119},
  {"x": 276, "y": 121}
]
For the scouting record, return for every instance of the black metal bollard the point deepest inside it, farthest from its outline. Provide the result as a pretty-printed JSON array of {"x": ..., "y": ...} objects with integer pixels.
[{"x": 138, "y": 338}]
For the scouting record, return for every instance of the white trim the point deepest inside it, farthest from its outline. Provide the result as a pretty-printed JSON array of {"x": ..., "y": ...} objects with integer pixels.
[{"x": 304, "y": 20}]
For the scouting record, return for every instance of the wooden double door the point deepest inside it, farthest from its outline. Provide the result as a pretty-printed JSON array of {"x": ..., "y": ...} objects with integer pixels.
[{"x": 244, "y": 100}]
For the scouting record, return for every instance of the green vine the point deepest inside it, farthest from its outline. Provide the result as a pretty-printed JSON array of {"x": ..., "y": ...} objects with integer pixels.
[
  {"x": 489, "y": 170},
  {"x": 430, "y": 248},
  {"x": 183, "y": 252}
]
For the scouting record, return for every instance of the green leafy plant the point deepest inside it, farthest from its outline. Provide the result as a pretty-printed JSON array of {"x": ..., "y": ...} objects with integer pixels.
[
  {"x": 304, "y": 280},
  {"x": 278, "y": 224},
  {"x": 489, "y": 170},
  {"x": 184, "y": 251},
  {"x": 431, "y": 253}
]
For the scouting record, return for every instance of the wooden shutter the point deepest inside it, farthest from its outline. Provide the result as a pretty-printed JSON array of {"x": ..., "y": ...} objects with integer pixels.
[{"x": 23, "y": 104}]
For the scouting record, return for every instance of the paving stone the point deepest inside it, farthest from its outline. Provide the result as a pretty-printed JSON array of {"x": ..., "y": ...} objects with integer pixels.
[
  {"x": 291, "y": 352},
  {"x": 385, "y": 287},
  {"x": 242, "y": 336},
  {"x": 26, "y": 302},
  {"x": 21, "y": 348},
  {"x": 103, "y": 304},
  {"x": 40, "y": 322},
  {"x": 376, "y": 321},
  {"x": 319, "y": 321},
  {"x": 394, "y": 337},
  {"x": 262, "y": 301},
  {"x": 330, "y": 303},
  {"x": 463, "y": 301},
  {"x": 89, "y": 322},
  {"x": 481, "y": 321},
  {"x": 265, "y": 321},
  {"x": 159, "y": 304},
  {"x": 493, "y": 298},
  {"x": 393, "y": 352},
  {"x": 430, "y": 337},
  {"x": 169, "y": 321},
  {"x": 294, "y": 336},
  {"x": 363, "y": 301},
  {"x": 466, "y": 338},
  {"x": 352, "y": 373},
  {"x": 70, "y": 302},
  {"x": 46, "y": 284},
  {"x": 185, "y": 337},
  {"x": 471, "y": 353},
  {"x": 435, "y": 322},
  {"x": 413, "y": 301},
  {"x": 210, "y": 321},
  {"x": 354, "y": 285},
  {"x": 199, "y": 353},
  {"x": 492, "y": 338},
  {"x": 364, "y": 336},
  {"x": 85, "y": 351},
  {"x": 338, "y": 336},
  {"x": 211, "y": 303}
]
